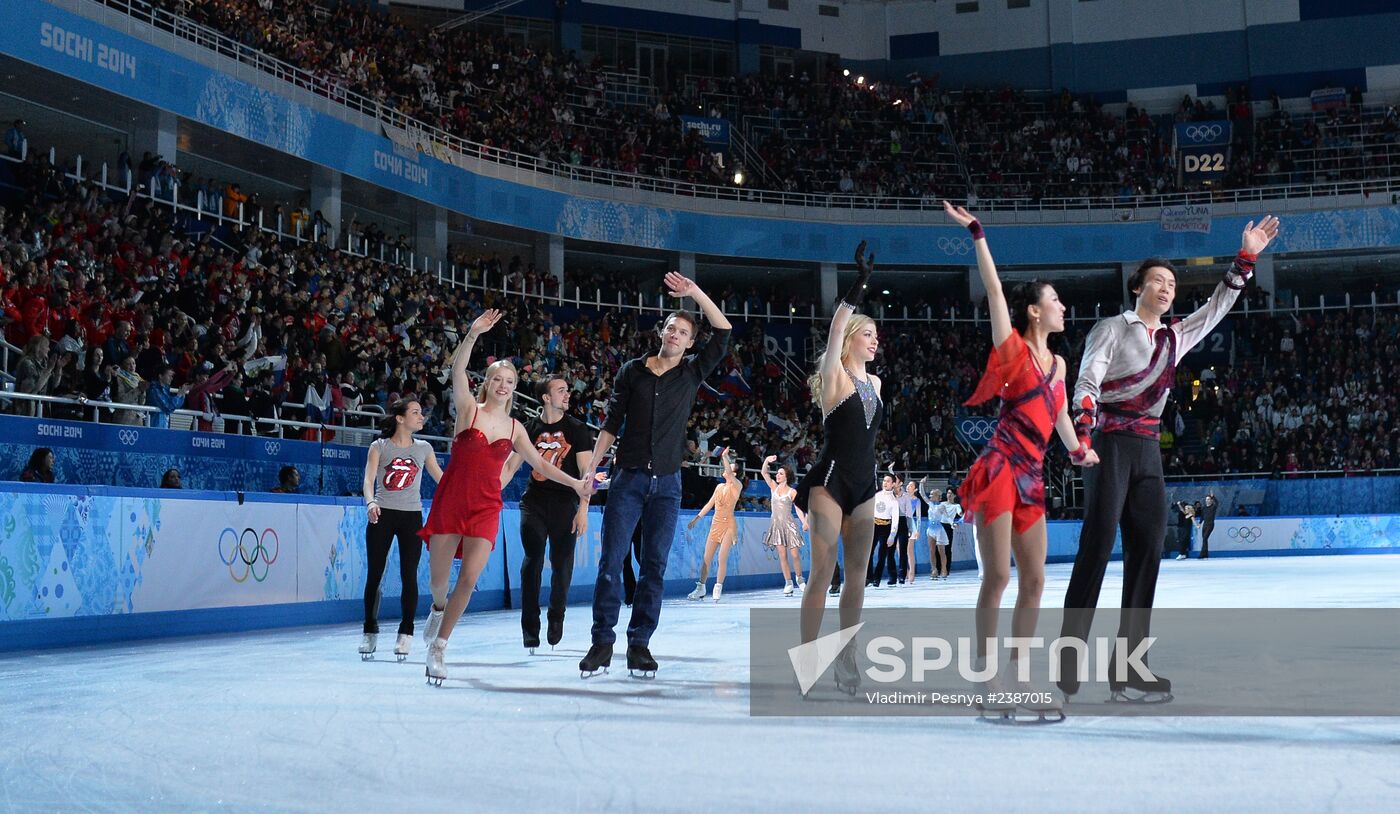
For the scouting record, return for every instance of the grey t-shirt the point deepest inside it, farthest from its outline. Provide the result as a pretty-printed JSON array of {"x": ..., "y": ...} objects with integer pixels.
[{"x": 397, "y": 484}]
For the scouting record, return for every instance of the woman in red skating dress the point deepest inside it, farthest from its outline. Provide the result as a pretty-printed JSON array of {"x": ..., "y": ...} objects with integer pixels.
[
  {"x": 466, "y": 512},
  {"x": 1004, "y": 489}
]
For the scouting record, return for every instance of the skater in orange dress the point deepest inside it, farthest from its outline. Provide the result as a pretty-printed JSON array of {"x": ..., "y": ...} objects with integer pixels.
[
  {"x": 724, "y": 529},
  {"x": 466, "y": 512},
  {"x": 1004, "y": 490}
]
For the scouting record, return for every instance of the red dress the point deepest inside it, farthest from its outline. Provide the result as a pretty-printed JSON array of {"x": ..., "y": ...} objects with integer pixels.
[
  {"x": 468, "y": 498},
  {"x": 1007, "y": 475}
]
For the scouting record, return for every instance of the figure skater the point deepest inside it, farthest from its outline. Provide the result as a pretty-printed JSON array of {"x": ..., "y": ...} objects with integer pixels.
[
  {"x": 782, "y": 535},
  {"x": 724, "y": 529}
]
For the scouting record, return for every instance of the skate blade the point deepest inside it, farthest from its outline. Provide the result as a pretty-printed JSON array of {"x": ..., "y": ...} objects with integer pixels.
[
  {"x": 367, "y": 657},
  {"x": 584, "y": 674},
  {"x": 1128, "y": 696},
  {"x": 642, "y": 675},
  {"x": 400, "y": 657},
  {"x": 435, "y": 681},
  {"x": 1021, "y": 717},
  {"x": 530, "y": 650},
  {"x": 849, "y": 689}
]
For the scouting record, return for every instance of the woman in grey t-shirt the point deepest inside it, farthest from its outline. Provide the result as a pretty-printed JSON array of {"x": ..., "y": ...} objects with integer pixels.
[{"x": 393, "y": 495}]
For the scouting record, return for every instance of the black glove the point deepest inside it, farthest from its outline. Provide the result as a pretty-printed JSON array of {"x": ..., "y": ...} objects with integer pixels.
[{"x": 864, "y": 267}]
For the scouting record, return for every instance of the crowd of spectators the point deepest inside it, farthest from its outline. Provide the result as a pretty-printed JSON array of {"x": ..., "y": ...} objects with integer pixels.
[
  {"x": 121, "y": 299},
  {"x": 828, "y": 133}
]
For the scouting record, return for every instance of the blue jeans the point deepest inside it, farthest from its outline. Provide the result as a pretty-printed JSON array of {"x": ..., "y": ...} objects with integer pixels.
[{"x": 635, "y": 496}]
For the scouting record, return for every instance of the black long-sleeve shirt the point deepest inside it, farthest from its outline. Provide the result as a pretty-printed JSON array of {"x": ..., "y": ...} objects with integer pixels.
[{"x": 655, "y": 409}]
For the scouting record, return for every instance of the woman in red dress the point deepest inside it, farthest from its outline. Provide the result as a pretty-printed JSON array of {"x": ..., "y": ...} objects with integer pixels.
[
  {"x": 466, "y": 511},
  {"x": 1004, "y": 489}
]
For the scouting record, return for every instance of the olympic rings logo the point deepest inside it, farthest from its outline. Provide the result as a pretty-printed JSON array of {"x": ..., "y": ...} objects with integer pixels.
[
  {"x": 978, "y": 429},
  {"x": 272, "y": 447},
  {"x": 1246, "y": 533},
  {"x": 128, "y": 437},
  {"x": 246, "y": 553},
  {"x": 1203, "y": 132},
  {"x": 955, "y": 245}
]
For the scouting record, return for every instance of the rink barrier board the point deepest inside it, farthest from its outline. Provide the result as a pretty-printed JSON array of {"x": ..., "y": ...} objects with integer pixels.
[{"x": 86, "y": 564}]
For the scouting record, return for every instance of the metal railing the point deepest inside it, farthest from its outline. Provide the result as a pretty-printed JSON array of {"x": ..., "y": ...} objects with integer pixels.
[{"x": 333, "y": 88}]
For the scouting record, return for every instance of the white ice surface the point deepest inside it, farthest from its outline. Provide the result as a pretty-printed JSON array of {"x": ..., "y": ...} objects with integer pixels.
[{"x": 291, "y": 720}]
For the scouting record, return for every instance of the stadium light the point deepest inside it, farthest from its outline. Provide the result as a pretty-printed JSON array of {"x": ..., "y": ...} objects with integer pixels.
[
  {"x": 739, "y": 177},
  {"x": 846, "y": 72},
  {"x": 860, "y": 80}
]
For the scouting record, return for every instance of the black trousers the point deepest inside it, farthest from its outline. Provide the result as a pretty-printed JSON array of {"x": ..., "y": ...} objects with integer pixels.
[
  {"x": 378, "y": 537},
  {"x": 546, "y": 518},
  {"x": 886, "y": 556},
  {"x": 1126, "y": 487},
  {"x": 948, "y": 547},
  {"x": 901, "y": 542},
  {"x": 1206, "y": 529},
  {"x": 1183, "y": 537}
]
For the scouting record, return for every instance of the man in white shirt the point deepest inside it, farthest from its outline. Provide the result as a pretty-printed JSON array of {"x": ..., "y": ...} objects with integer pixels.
[{"x": 886, "y": 515}]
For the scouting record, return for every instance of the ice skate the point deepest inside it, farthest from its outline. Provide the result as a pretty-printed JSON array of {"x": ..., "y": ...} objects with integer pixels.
[
  {"x": 846, "y": 673},
  {"x": 719, "y": 589},
  {"x": 598, "y": 659},
  {"x": 433, "y": 625},
  {"x": 787, "y": 588},
  {"x": 1036, "y": 704},
  {"x": 368, "y": 643},
  {"x": 555, "y": 632},
  {"x": 699, "y": 592},
  {"x": 640, "y": 664},
  {"x": 402, "y": 645},
  {"x": 994, "y": 699},
  {"x": 1137, "y": 690},
  {"x": 801, "y": 584},
  {"x": 435, "y": 671}
]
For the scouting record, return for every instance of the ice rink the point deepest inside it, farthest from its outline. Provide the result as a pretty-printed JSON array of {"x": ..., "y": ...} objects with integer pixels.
[{"x": 292, "y": 720}]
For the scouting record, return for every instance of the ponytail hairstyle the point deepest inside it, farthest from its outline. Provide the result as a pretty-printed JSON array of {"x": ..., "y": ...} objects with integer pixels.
[
  {"x": 1021, "y": 297},
  {"x": 388, "y": 425},
  {"x": 854, "y": 326}
]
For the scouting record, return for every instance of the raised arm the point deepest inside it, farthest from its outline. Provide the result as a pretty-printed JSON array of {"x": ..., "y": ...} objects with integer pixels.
[
  {"x": 849, "y": 304},
  {"x": 1196, "y": 325},
  {"x": 763, "y": 470},
  {"x": 462, "y": 396},
  {"x": 682, "y": 286},
  {"x": 997, "y": 309}
]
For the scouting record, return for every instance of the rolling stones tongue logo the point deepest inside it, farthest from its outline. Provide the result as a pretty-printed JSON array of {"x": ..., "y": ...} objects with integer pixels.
[
  {"x": 553, "y": 447},
  {"x": 400, "y": 474}
]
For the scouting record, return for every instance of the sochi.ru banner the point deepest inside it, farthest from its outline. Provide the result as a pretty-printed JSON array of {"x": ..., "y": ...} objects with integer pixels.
[
  {"x": 715, "y": 132},
  {"x": 1170, "y": 662}
]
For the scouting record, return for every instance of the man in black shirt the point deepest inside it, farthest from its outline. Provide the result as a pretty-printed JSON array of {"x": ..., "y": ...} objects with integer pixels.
[
  {"x": 650, "y": 406},
  {"x": 549, "y": 511}
]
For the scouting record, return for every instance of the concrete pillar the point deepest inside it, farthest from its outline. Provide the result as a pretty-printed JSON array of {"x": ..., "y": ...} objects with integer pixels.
[
  {"x": 429, "y": 233},
  {"x": 1264, "y": 277},
  {"x": 155, "y": 132},
  {"x": 685, "y": 264},
  {"x": 325, "y": 198},
  {"x": 826, "y": 285},
  {"x": 976, "y": 289},
  {"x": 1125, "y": 270},
  {"x": 549, "y": 257}
]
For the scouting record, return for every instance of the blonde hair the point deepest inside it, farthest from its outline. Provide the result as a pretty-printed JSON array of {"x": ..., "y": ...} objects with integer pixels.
[
  {"x": 499, "y": 364},
  {"x": 855, "y": 325}
]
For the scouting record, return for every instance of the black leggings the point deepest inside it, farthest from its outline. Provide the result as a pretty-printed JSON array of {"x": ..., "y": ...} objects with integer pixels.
[
  {"x": 886, "y": 554},
  {"x": 378, "y": 537},
  {"x": 548, "y": 519}
]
